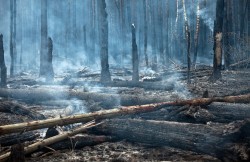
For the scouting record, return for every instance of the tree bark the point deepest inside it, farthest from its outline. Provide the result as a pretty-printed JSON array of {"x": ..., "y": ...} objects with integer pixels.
[
  {"x": 145, "y": 31},
  {"x": 218, "y": 27},
  {"x": 196, "y": 38},
  {"x": 44, "y": 37},
  {"x": 2, "y": 64},
  {"x": 135, "y": 57},
  {"x": 99, "y": 115},
  {"x": 49, "y": 71},
  {"x": 213, "y": 139},
  {"x": 103, "y": 19}
]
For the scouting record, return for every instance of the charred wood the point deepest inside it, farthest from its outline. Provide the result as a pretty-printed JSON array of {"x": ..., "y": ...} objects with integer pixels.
[
  {"x": 100, "y": 115},
  {"x": 213, "y": 139}
]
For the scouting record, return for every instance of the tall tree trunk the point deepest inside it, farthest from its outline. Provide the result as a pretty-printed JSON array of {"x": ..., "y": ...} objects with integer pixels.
[
  {"x": 160, "y": 33},
  {"x": 44, "y": 37},
  {"x": 103, "y": 19},
  {"x": 2, "y": 63},
  {"x": 218, "y": 27},
  {"x": 187, "y": 33},
  {"x": 228, "y": 37},
  {"x": 196, "y": 38},
  {"x": 50, "y": 71},
  {"x": 12, "y": 36},
  {"x": 145, "y": 31},
  {"x": 135, "y": 57}
]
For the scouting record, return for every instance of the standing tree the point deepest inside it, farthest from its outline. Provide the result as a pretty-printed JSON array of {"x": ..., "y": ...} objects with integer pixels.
[
  {"x": 135, "y": 57},
  {"x": 196, "y": 37},
  {"x": 145, "y": 31},
  {"x": 187, "y": 33},
  {"x": 103, "y": 19},
  {"x": 2, "y": 64},
  {"x": 218, "y": 27},
  {"x": 12, "y": 36},
  {"x": 44, "y": 37},
  {"x": 50, "y": 71}
]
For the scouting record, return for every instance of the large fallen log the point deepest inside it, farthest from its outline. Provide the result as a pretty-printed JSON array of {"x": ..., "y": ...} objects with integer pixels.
[
  {"x": 132, "y": 84},
  {"x": 99, "y": 115},
  {"x": 49, "y": 141},
  {"x": 106, "y": 100},
  {"x": 216, "y": 112},
  {"x": 214, "y": 139}
]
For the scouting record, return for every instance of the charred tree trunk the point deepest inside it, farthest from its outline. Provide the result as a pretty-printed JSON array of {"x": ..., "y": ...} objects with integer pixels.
[
  {"x": 50, "y": 71},
  {"x": 12, "y": 35},
  {"x": 187, "y": 33},
  {"x": 135, "y": 57},
  {"x": 145, "y": 31},
  {"x": 44, "y": 37},
  {"x": 196, "y": 38},
  {"x": 105, "y": 74},
  {"x": 218, "y": 27},
  {"x": 2, "y": 64},
  {"x": 228, "y": 34}
]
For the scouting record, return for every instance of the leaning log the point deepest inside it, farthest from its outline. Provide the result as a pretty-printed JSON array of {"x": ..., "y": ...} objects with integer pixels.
[
  {"x": 212, "y": 139},
  {"x": 99, "y": 115},
  {"x": 106, "y": 100},
  {"x": 49, "y": 141}
]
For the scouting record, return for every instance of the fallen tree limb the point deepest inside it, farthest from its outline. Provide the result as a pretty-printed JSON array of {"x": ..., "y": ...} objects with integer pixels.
[
  {"x": 213, "y": 139},
  {"x": 106, "y": 100},
  {"x": 99, "y": 115},
  {"x": 38, "y": 145}
]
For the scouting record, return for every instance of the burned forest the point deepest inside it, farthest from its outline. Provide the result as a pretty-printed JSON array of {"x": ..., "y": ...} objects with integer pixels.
[{"x": 124, "y": 80}]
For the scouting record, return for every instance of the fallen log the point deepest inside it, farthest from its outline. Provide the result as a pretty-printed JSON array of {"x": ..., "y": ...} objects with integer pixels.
[
  {"x": 106, "y": 100},
  {"x": 8, "y": 140},
  {"x": 80, "y": 141},
  {"x": 18, "y": 109},
  {"x": 49, "y": 141},
  {"x": 215, "y": 112},
  {"x": 99, "y": 115},
  {"x": 213, "y": 139}
]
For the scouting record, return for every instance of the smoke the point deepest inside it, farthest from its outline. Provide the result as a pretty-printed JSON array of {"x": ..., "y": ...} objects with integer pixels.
[{"x": 207, "y": 13}]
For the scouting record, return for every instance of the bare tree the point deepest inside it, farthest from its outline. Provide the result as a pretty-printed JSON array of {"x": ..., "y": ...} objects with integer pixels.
[
  {"x": 187, "y": 33},
  {"x": 13, "y": 52},
  {"x": 196, "y": 37},
  {"x": 103, "y": 19},
  {"x": 2, "y": 64},
  {"x": 145, "y": 31},
  {"x": 135, "y": 57},
  {"x": 44, "y": 37},
  {"x": 218, "y": 27}
]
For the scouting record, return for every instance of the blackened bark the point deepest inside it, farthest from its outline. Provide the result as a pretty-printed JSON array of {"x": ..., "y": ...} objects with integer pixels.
[
  {"x": 44, "y": 37},
  {"x": 2, "y": 64},
  {"x": 135, "y": 57},
  {"x": 105, "y": 74},
  {"x": 218, "y": 26},
  {"x": 49, "y": 68},
  {"x": 145, "y": 31}
]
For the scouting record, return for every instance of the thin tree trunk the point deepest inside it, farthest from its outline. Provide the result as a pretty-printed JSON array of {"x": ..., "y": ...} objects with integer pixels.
[
  {"x": 145, "y": 31},
  {"x": 187, "y": 33},
  {"x": 103, "y": 19},
  {"x": 2, "y": 64},
  {"x": 44, "y": 37},
  {"x": 135, "y": 57},
  {"x": 196, "y": 38}
]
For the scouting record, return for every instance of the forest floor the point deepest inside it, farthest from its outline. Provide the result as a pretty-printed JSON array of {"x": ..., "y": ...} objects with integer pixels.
[{"x": 233, "y": 82}]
